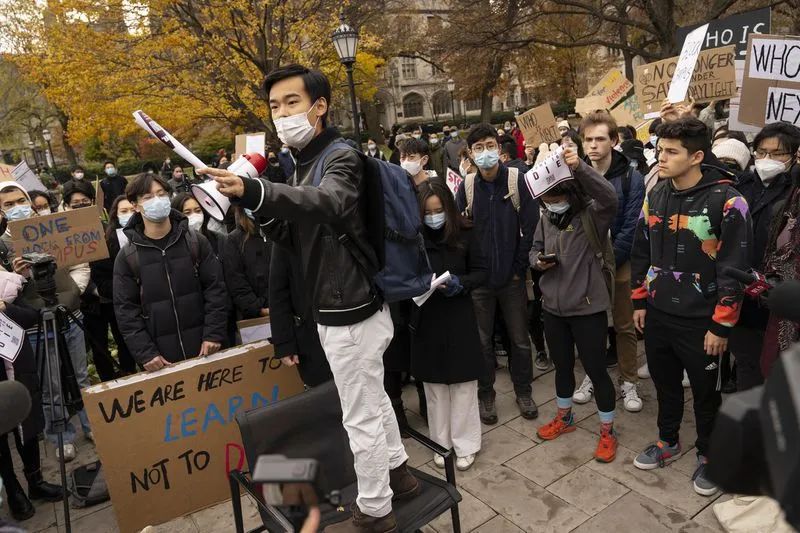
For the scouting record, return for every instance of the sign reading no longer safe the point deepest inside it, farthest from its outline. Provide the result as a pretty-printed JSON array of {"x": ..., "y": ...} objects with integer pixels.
[{"x": 168, "y": 439}]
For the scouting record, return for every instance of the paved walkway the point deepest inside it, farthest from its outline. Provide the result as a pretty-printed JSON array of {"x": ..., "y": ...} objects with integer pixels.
[{"x": 518, "y": 483}]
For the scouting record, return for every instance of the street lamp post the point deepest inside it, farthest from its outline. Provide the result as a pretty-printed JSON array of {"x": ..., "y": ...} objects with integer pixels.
[
  {"x": 32, "y": 146},
  {"x": 47, "y": 136},
  {"x": 345, "y": 40},
  {"x": 451, "y": 86}
]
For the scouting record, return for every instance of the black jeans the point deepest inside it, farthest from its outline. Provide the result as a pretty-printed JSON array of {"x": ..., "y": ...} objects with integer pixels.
[
  {"x": 28, "y": 452},
  {"x": 745, "y": 345},
  {"x": 513, "y": 300},
  {"x": 589, "y": 333},
  {"x": 97, "y": 334},
  {"x": 674, "y": 344},
  {"x": 535, "y": 325}
]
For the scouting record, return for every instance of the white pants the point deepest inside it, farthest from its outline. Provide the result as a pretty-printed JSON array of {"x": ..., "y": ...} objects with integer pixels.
[
  {"x": 355, "y": 354},
  {"x": 453, "y": 417}
]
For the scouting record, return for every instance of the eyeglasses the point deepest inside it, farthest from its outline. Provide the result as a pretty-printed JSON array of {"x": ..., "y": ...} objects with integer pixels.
[
  {"x": 479, "y": 148},
  {"x": 150, "y": 196},
  {"x": 761, "y": 154}
]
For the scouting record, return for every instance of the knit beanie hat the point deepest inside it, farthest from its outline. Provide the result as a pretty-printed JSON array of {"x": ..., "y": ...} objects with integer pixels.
[{"x": 733, "y": 149}]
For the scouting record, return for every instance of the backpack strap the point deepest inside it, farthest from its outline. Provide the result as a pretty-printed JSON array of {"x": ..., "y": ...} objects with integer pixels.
[
  {"x": 319, "y": 167},
  {"x": 194, "y": 249},
  {"x": 513, "y": 188},
  {"x": 131, "y": 255},
  {"x": 469, "y": 192},
  {"x": 715, "y": 205},
  {"x": 591, "y": 233},
  {"x": 626, "y": 184}
]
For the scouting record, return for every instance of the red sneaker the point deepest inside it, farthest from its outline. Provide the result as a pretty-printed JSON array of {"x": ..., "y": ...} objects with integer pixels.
[
  {"x": 606, "y": 447},
  {"x": 556, "y": 427}
]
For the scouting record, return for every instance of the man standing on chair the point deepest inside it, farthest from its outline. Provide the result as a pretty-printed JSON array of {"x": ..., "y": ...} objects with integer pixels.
[{"x": 353, "y": 322}]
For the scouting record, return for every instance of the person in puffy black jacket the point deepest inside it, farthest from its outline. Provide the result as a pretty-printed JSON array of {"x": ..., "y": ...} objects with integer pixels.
[
  {"x": 165, "y": 314},
  {"x": 246, "y": 258}
]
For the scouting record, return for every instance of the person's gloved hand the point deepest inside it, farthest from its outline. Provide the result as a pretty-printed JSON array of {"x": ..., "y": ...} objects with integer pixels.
[{"x": 452, "y": 287}]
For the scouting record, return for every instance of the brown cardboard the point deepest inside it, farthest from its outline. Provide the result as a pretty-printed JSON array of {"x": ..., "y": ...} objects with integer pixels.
[
  {"x": 590, "y": 104},
  {"x": 159, "y": 462},
  {"x": 538, "y": 125},
  {"x": 611, "y": 88},
  {"x": 627, "y": 113},
  {"x": 241, "y": 144},
  {"x": 714, "y": 78},
  {"x": 100, "y": 197},
  {"x": 72, "y": 237},
  {"x": 753, "y": 106}
]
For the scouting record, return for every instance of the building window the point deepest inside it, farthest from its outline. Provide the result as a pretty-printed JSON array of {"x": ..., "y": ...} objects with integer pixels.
[
  {"x": 511, "y": 101},
  {"x": 473, "y": 105},
  {"x": 441, "y": 103},
  {"x": 409, "y": 66},
  {"x": 413, "y": 105}
]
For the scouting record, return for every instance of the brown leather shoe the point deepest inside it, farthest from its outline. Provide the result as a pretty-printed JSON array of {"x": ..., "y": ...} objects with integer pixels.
[
  {"x": 361, "y": 523},
  {"x": 403, "y": 483}
]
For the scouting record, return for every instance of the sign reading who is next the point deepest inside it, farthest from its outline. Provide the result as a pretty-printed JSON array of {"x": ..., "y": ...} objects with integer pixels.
[{"x": 771, "y": 85}]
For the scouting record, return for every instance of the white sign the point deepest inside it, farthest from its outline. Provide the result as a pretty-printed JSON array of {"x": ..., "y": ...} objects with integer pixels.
[
  {"x": 27, "y": 178},
  {"x": 255, "y": 143},
  {"x": 453, "y": 181},
  {"x": 775, "y": 59},
  {"x": 255, "y": 329},
  {"x": 783, "y": 105},
  {"x": 686, "y": 63},
  {"x": 435, "y": 283},
  {"x": 548, "y": 173},
  {"x": 11, "y": 338}
]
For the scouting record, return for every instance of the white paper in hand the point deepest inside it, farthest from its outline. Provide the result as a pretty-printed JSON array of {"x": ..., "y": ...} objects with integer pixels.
[
  {"x": 153, "y": 128},
  {"x": 11, "y": 338},
  {"x": 437, "y": 282},
  {"x": 686, "y": 63},
  {"x": 548, "y": 173}
]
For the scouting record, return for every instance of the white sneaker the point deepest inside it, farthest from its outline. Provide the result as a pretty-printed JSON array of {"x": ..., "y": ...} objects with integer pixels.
[
  {"x": 69, "y": 453},
  {"x": 630, "y": 397},
  {"x": 685, "y": 381},
  {"x": 89, "y": 436},
  {"x": 438, "y": 460},
  {"x": 643, "y": 372},
  {"x": 464, "y": 463},
  {"x": 584, "y": 392}
]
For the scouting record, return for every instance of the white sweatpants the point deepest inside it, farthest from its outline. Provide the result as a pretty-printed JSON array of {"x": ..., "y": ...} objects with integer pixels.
[
  {"x": 453, "y": 417},
  {"x": 355, "y": 354}
]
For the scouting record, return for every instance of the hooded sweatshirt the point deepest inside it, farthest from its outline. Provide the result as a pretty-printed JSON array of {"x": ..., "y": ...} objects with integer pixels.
[{"x": 679, "y": 258}]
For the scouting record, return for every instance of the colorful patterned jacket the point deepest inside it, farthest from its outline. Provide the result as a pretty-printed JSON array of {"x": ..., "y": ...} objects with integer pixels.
[{"x": 681, "y": 250}]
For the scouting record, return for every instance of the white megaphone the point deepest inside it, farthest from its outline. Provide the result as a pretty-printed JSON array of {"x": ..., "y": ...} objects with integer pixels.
[{"x": 214, "y": 202}]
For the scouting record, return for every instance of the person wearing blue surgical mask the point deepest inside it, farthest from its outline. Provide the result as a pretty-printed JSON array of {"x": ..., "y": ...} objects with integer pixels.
[
  {"x": 504, "y": 215},
  {"x": 113, "y": 184},
  {"x": 576, "y": 292},
  {"x": 445, "y": 343},
  {"x": 169, "y": 293}
]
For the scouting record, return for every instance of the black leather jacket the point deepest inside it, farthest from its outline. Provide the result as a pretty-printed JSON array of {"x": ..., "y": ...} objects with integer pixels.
[{"x": 308, "y": 220}]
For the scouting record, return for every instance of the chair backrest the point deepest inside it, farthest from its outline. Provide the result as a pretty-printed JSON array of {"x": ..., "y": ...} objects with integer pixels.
[{"x": 308, "y": 425}]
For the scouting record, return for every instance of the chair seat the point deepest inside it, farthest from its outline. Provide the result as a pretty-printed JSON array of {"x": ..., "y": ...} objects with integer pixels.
[{"x": 436, "y": 498}]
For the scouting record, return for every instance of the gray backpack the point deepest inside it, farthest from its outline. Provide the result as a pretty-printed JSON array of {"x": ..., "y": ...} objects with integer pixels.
[{"x": 87, "y": 486}]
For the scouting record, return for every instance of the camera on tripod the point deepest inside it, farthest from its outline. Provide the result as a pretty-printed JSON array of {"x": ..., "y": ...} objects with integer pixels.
[{"x": 43, "y": 270}]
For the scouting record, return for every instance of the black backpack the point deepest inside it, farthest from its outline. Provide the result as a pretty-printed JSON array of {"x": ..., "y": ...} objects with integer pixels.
[
  {"x": 131, "y": 252},
  {"x": 87, "y": 485}
]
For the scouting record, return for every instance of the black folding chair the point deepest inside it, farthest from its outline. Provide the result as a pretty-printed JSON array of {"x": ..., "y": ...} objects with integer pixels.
[{"x": 309, "y": 425}]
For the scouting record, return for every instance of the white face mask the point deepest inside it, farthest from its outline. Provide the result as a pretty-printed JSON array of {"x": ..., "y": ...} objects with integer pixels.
[
  {"x": 371, "y": 147},
  {"x": 296, "y": 131},
  {"x": 195, "y": 221},
  {"x": 434, "y": 141},
  {"x": 412, "y": 167},
  {"x": 768, "y": 168},
  {"x": 654, "y": 140},
  {"x": 78, "y": 175},
  {"x": 463, "y": 171},
  {"x": 558, "y": 208},
  {"x": 45, "y": 211}
]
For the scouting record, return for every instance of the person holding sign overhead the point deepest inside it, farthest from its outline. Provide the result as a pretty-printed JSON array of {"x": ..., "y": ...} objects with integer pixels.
[
  {"x": 572, "y": 250},
  {"x": 169, "y": 292},
  {"x": 71, "y": 282}
]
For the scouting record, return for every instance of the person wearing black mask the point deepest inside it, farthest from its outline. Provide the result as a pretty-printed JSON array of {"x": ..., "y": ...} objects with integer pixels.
[{"x": 113, "y": 184}]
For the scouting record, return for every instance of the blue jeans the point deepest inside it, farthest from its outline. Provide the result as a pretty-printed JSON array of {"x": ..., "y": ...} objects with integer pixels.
[{"x": 77, "y": 351}]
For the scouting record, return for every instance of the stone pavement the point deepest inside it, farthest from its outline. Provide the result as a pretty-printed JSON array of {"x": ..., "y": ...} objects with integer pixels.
[{"x": 518, "y": 483}]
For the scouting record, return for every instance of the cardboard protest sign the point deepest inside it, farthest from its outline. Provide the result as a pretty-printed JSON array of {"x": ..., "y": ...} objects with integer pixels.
[
  {"x": 611, "y": 89},
  {"x": 732, "y": 30},
  {"x": 27, "y": 178},
  {"x": 643, "y": 131},
  {"x": 168, "y": 439},
  {"x": 589, "y": 104},
  {"x": 714, "y": 78},
  {"x": 100, "y": 197},
  {"x": 686, "y": 64},
  {"x": 254, "y": 329},
  {"x": 627, "y": 113},
  {"x": 548, "y": 173},
  {"x": 453, "y": 181},
  {"x": 72, "y": 237},
  {"x": 251, "y": 143},
  {"x": 538, "y": 125},
  {"x": 771, "y": 80}
]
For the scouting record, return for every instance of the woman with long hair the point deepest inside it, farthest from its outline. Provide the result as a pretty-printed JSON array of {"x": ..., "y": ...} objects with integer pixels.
[
  {"x": 445, "y": 347},
  {"x": 246, "y": 260},
  {"x": 198, "y": 220}
]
